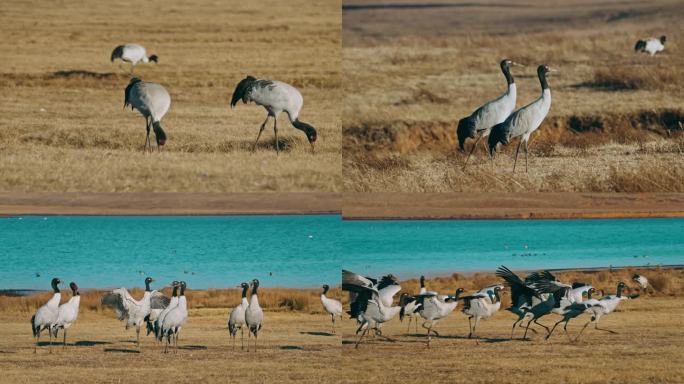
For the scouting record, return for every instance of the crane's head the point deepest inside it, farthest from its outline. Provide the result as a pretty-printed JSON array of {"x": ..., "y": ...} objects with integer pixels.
[
  {"x": 465, "y": 130},
  {"x": 326, "y": 287},
  {"x": 309, "y": 130},
  {"x": 244, "y": 285},
  {"x": 636, "y": 277},
  {"x": 55, "y": 282},
  {"x": 74, "y": 287},
  {"x": 255, "y": 283},
  {"x": 153, "y": 58},
  {"x": 159, "y": 134},
  {"x": 662, "y": 39},
  {"x": 148, "y": 280}
]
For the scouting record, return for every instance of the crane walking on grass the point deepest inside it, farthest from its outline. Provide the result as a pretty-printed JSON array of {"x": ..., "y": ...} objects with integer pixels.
[
  {"x": 46, "y": 316},
  {"x": 275, "y": 97},
  {"x": 433, "y": 309},
  {"x": 68, "y": 312},
  {"x": 606, "y": 305},
  {"x": 332, "y": 307},
  {"x": 152, "y": 101},
  {"x": 523, "y": 122},
  {"x": 481, "y": 305},
  {"x": 479, "y": 123},
  {"x": 132, "y": 53},
  {"x": 236, "y": 320}
]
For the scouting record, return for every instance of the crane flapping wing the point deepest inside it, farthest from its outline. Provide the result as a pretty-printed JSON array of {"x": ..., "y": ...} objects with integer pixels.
[
  {"x": 518, "y": 287},
  {"x": 115, "y": 301},
  {"x": 159, "y": 301}
]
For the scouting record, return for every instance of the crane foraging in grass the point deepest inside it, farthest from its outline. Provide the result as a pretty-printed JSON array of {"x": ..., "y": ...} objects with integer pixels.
[
  {"x": 651, "y": 45},
  {"x": 523, "y": 122},
  {"x": 479, "y": 123},
  {"x": 132, "y": 53},
  {"x": 275, "y": 97},
  {"x": 152, "y": 101},
  {"x": 46, "y": 316}
]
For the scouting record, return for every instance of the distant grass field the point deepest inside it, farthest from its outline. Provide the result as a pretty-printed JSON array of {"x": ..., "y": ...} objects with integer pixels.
[
  {"x": 411, "y": 70},
  {"x": 646, "y": 348},
  {"x": 62, "y": 127}
]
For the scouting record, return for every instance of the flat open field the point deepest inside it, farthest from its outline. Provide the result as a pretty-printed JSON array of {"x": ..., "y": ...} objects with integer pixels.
[
  {"x": 294, "y": 346},
  {"x": 646, "y": 349},
  {"x": 412, "y": 69},
  {"x": 62, "y": 127}
]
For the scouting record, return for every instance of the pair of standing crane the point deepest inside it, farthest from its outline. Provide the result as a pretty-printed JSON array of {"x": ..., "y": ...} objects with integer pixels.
[
  {"x": 497, "y": 119},
  {"x": 153, "y": 101}
]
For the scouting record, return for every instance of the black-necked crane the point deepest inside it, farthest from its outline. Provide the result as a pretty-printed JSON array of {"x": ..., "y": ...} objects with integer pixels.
[
  {"x": 68, "y": 312},
  {"x": 606, "y": 305},
  {"x": 481, "y": 305},
  {"x": 479, "y": 123},
  {"x": 236, "y": 320},
  {"x": 175, "y": 319},
  {"x": 159, "y": 310},
  {"x": 573, "y": 310},
  {"x": 641, "y": 280},
  {"x": 433, "y": 309},
  {"x": 410, "y": 306},
  {"x": 133, "y": 311},
  {"x": 46, "y": 316},
  {"x": 651, "y": 45},
  {"x": 332, "y": 307},
  {"x": 523, "y": 122},
  {"x": 132, "y": 53},
  {"x": 276, "y": 97},
  {"x": 254, "y": 315},
  {"x": 152, "y": 101},
  {"x": 366, "y": 303}
]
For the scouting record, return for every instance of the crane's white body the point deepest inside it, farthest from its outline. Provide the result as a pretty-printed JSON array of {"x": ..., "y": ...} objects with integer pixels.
[
  {"x": 387, "y": 293},
  {"x": 135, "y": 311},
  {"x": 495, "y": 111},
  {"x": 254, "y": 318},
  {"x": 152, "y": 100},
  {"x": 236, "y": 319},
  {"x": 46, "y": 316},
  {"x": 434, "y": 309},
  {"x": 159, "y": 320},
  {"x": 174, "y": 320},
  {"x": 642, "y": 281},
  {"x": 134, "y": 53},
  {"x": 332, "y": 306},
  {"x": 68, "y": 312},
  {"x": 653, "y": 46},
  {"x": 276, "y": 97}
]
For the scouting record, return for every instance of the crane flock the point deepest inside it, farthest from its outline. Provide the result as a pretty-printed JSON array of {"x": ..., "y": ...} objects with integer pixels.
[
  {"x": 537, "y": 295},
  {"x": 371, "y": 304}
]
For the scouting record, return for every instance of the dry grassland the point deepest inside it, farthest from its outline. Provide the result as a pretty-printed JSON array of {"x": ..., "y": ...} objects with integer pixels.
[
  {"x": 411, "y": 72},
  {"x": 294, "y": 346},
  {"x": 62, "y": 127},
  {"x": 646, "y": 348}
]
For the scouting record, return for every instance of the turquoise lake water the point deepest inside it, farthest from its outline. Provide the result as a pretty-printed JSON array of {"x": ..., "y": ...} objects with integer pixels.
[{"x": 307, "y": 251}]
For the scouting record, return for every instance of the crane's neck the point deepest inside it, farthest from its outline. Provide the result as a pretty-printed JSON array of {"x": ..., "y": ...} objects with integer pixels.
[
  {"x": 619, "y": 291},
  {"x": 254, "y": 300},
  {"x": 507, "y": 72},
  {"x": 496, "y": 295},
  {"x": 244, "y": 292},
  {"x": 325, "y": 290},
  {"x": 175, "y": 291},
  {"x": 543, "y": 82},
  {"x": 55, "y": 287},
  {"x": 147, "y": 286},
  {"x": 182, "y": 290},
  {"x": 422, "y": 282}
]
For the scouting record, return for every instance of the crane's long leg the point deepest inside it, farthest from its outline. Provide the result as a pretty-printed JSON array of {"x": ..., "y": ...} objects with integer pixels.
[
  {"x": 147, "y": 139},
  {"x": 256, "y": 338},
  {"x": 472, "y": 150},
  {"x": 137, "y": 335},
  {"x": 275, "y": 130},
  {"x": 554, "y": 327},
  {"x": 64, "y": 343},
  {"x": 528, "y": 327},
  {"x": 249, "y": 335},
  {"x": 477, "y": 321},
  {"x": 565, "y": 328},
  {"x": 263, "y": 126},
  {"x": 35, "y": 349},
  {"x": 361, "y": 337},
  {"x": 525, "y": 156},
  {"x": 50, "y": 332},
  {"x": 242, "y": 338},
  {"x": 409, "y": 324},
  {"x": 513, "y": 328},
  {"x": 602, "y": 329},
  {"x": 470, "y": 327},
  {"x": 536, "y": 321},
  {"x": 516, "y": 156},
  {"x": 333, "y": 323},
  {"x": 583, "y": 328}
]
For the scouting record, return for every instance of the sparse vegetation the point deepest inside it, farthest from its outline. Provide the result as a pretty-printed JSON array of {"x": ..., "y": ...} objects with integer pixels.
[
  {"x": 408, "y": 86},
  {"x": 62, "y": 127}
]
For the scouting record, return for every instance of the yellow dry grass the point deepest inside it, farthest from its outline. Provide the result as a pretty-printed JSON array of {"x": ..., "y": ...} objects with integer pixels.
[
  {"x": 62, "y": 130},
  {"x": 411, "y": 73},
  {"x": 646, "y": 348},
  {"x": 293, "y": 347}
]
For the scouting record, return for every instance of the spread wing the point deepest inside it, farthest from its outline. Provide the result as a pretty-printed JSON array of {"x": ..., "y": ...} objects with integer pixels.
[
  {"x": 117, "y": 301},
  {"x": 158, "y": 300},
  {"x": 519, "y": 290}
]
